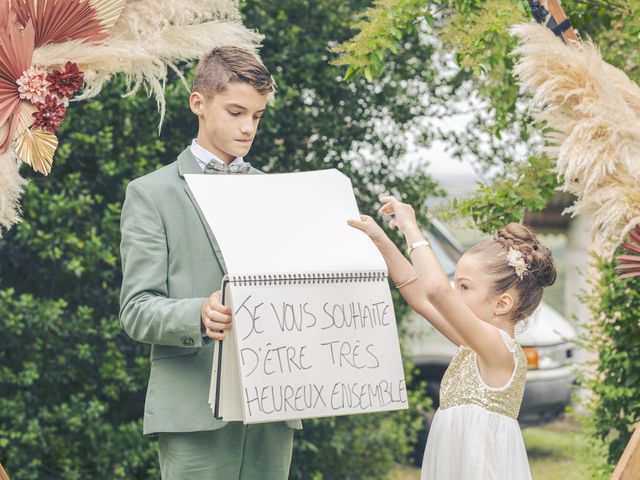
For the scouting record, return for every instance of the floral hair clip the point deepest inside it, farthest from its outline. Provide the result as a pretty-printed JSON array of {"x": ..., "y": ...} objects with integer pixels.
[{"x": 516, "y": 260}]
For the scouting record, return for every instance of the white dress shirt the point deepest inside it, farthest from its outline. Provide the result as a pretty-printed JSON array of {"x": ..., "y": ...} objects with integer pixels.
[{"x": 204, "y": 156}]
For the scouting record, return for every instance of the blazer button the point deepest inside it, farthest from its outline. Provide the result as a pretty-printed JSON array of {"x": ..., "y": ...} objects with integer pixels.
[{"x": 188, "y": 341}]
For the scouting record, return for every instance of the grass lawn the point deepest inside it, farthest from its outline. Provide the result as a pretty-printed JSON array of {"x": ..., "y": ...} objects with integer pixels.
[{"x": 557, "y": 451}]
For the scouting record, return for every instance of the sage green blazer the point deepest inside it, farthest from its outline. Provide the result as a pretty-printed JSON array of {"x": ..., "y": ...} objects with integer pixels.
[{"x": 171, "y": 263}]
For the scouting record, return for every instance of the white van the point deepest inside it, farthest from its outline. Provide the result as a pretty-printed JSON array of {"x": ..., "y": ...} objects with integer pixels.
[{"x": 547, "y": 339}]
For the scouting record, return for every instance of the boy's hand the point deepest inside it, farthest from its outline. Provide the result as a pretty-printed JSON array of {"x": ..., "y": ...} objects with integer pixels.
[
  {"x": 215, "y": 317},
  {"x": 369, "y": 226}
]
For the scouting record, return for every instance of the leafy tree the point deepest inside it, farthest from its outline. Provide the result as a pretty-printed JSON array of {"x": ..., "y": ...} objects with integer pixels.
[
  {"x": 71, "y": 382},
  {"x": 476, "y": 33},
  {"x": 382, "y": 28},
  {"x": 509, "y": 197}
]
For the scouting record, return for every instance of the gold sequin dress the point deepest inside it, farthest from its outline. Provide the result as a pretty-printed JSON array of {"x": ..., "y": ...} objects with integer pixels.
[{"x": 474, "y": 434}]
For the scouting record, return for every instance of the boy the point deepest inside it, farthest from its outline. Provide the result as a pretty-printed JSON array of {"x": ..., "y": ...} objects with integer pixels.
[{"x": 171, "y": 264}]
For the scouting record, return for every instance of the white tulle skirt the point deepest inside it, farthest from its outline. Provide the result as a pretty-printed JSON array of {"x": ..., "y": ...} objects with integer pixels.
[{"x": 470, "y": 443}]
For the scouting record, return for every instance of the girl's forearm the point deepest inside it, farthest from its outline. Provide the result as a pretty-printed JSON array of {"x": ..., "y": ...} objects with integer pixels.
[
  {"x": 414, "y": 293},
  {"x": 433, "y": 278},
  {"x": 400, "y": 270}
]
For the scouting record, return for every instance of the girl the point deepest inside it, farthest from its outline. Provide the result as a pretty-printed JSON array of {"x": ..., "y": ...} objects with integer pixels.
[{"x": 498, "y": 282}]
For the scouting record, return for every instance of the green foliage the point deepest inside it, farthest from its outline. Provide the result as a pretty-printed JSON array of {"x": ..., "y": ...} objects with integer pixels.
[
  {"x": 382, "y": 28},
  {"x": 477, "y": 33},
  {"x": 614, "y": 377},
  {"x": 481, "y": 41},
  {"x": 510, "y": 196},
  {"x": 615, "y": 28},
  {"x": 72, "y": 383}
]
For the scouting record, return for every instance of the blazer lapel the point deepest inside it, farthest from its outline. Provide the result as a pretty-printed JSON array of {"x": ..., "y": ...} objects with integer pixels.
[{"x": 187, "y": 163}]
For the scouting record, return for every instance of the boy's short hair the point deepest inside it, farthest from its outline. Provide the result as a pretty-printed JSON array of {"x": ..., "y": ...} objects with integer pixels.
[{"x": 224, "y": 65}]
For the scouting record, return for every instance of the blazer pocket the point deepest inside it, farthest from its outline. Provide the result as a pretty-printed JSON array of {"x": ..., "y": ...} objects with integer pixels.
[{"x": 168, "y": 351}]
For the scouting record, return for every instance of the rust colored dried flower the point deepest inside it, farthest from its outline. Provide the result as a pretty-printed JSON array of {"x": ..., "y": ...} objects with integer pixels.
[
  {"x": 66, "y": 81},
  {"x": 49, "y": 115}
]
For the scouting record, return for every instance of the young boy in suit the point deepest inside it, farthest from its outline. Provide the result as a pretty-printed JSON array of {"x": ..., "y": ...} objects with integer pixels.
[{"x": 171, "y": 264}]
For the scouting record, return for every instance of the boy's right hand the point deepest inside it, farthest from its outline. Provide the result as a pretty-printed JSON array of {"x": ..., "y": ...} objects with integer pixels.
[{"x": 215, "y": 317}]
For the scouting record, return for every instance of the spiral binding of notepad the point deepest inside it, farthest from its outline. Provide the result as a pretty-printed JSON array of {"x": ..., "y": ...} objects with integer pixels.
[{"x": 307, "y": 278}]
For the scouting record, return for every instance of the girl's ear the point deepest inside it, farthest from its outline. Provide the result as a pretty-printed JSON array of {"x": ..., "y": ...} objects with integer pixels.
[{"x": 505, "y": 303}]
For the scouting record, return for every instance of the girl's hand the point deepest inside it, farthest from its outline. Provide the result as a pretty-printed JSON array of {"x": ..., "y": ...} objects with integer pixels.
[
  {"x": 369, "y": 226},
  {"x": 404, "y": 215}
]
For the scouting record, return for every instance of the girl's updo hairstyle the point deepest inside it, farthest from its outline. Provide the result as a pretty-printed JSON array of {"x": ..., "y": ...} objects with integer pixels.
[{"x": 540, "y": 273}]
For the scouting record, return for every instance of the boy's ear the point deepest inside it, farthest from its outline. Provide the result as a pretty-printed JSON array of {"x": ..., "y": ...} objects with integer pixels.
[
  {"x": 196, "y": 102},
  {"x": 504, "y": 304}
]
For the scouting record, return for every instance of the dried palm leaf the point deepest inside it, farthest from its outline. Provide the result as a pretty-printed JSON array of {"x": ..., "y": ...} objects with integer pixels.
[
  {"x": 58, "y": 21},
  {"x": 108, "y": 12},
  {"x": 4, "y": 132},
  {"x": 16, "y": 49},
  {"x": 36, "y": 148},
  {"x": 5, "y": 14},
  {"x": 25, "y": 116},
  {"x": 629, "y": 265}
]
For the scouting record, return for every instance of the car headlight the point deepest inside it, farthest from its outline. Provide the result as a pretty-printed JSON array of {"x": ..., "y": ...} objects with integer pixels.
[{"x": 554, "y": 356}]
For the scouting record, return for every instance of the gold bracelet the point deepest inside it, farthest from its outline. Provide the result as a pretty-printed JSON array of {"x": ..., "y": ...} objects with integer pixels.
[
  {"x": 419, "y": 243},
  {"x": 412, "y": 278}
]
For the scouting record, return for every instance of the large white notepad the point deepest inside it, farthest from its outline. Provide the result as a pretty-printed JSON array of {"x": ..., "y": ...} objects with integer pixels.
[{"x": 314, "y": 328}]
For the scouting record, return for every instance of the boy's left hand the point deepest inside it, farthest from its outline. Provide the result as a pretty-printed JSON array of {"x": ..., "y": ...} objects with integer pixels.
[
  {"x": 215, "y": 317},
  {"x": 404, "y": 215}
]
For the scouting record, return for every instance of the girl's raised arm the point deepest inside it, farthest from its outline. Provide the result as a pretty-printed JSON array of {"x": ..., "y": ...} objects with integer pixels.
[
  {"x": 483, "y": 338},
  {"x": 401, "y": 271}
]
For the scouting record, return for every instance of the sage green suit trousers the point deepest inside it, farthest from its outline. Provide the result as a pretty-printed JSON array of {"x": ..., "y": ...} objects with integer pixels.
[{"x": 234, "y": 452}]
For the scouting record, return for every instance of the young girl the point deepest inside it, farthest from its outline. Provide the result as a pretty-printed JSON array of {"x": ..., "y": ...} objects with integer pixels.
[{"x": 498, "y": 282}]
